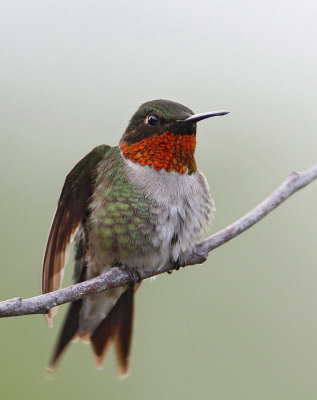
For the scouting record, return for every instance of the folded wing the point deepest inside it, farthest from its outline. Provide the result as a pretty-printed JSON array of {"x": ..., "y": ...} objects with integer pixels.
[{"x": 73, "y": 206}]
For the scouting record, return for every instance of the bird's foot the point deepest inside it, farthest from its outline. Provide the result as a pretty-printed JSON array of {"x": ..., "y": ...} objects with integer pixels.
[
  {"x": 176, "y": 265},
  {"x": 133, "y": 275}
]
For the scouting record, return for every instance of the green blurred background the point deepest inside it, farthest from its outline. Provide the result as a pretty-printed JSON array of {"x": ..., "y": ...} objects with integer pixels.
[{"x": 243, "y": 325}]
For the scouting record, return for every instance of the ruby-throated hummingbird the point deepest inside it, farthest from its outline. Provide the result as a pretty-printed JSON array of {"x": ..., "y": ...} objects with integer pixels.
[{"x": 140, "y": 205}]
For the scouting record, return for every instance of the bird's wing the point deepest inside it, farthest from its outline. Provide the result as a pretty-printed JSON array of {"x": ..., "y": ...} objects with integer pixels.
[{"x": 72, "y": 208}]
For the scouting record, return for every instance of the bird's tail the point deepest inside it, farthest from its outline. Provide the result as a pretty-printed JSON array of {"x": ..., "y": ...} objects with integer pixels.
[{"x": 115, "y": 327}]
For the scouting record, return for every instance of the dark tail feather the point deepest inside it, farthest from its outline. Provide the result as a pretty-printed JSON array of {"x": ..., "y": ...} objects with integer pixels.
[
  {"x": 70, "y": 326},
  {"x": 117, "y": 327},
  {"x": 68, "y": 332}
]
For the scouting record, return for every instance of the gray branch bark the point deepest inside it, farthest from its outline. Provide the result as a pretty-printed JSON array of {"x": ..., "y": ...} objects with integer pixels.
[{"x": 119, "y": 277}]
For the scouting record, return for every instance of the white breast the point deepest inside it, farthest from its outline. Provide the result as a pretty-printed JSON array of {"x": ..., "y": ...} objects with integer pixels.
[{"x": 183, "y": 205}]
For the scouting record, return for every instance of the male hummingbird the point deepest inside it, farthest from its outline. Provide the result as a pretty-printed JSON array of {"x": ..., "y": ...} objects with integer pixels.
[{"x": 140, "y": 205}]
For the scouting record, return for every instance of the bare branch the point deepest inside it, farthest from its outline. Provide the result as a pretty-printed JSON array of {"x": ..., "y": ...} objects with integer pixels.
[{"x": 119, "y": 277}]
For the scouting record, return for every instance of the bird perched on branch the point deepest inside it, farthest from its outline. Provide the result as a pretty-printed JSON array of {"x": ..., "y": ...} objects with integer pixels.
[{"x": 139, "y": 205}]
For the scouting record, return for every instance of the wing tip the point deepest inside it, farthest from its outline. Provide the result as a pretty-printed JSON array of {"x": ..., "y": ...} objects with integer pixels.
[
  {"x": 50, "y": 372},
  {"x": 49, "y": 316},
  {"x": 49, "y": 320}
]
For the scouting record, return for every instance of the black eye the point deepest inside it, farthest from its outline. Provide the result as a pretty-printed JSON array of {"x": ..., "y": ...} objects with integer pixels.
[{"x": 152, "y": 120}]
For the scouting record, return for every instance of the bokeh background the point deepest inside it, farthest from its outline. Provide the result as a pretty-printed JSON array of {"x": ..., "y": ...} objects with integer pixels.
[{"x": 243, "y": 325}]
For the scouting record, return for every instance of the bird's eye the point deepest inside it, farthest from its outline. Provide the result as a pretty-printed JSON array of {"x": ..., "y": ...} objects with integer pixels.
[{"x": 152, "y": 120}]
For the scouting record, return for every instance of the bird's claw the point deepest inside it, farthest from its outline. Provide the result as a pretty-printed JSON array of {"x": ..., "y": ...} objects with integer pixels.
[
  {"x": 176, "y": 265},
  {"x": 133, "y": 275}
]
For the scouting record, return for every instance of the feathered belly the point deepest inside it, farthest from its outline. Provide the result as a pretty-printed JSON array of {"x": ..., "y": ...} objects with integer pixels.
[{"x": 147, "y": 217}]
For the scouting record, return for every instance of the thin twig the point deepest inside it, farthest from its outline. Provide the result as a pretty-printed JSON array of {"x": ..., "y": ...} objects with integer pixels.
[{"x": 119, "y": 277}]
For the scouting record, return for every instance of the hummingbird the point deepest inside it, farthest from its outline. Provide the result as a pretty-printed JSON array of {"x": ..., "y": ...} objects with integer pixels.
[{"x": 140, "y": 205}]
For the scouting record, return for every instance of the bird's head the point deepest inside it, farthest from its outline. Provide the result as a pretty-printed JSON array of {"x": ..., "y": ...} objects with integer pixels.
[{"x": 162, "y": 134}]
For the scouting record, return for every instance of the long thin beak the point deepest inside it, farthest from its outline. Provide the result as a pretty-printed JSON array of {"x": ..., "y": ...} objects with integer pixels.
[{"x": 199, "y": 117}]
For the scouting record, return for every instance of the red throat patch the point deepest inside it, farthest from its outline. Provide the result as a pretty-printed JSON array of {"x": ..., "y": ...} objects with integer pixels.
[{"x": 169, "y": 151}]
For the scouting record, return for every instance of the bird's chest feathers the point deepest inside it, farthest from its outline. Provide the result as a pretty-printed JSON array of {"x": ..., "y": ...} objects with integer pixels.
[
  {"x": 181, "y": 202},
  {"x": 143, "y": 217}
]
